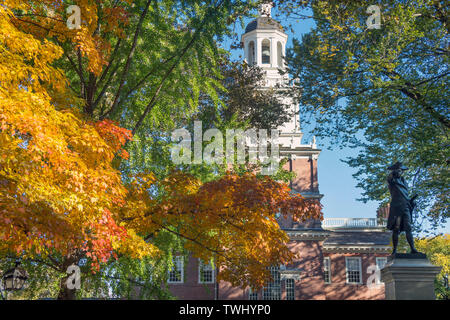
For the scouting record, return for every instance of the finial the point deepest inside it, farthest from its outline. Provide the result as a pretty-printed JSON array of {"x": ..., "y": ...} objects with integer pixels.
[{"x": 265, "y": 9}]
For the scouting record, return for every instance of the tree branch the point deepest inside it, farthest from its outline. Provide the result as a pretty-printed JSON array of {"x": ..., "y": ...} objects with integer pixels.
[
  {"x": 193, "y": 240},
  {"x": 129, "y": 58},
  {"x": 142, "y": 81},
  {"x": 153, "y": 101},
  {"x": 110, "y": 62},
  {"x": 409, "y": 90},
  {"x": 80, "y": 66}
]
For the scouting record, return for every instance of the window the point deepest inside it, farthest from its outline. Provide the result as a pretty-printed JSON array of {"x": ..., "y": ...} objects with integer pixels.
[
  {"x": 327, "y": 270},
  {"x": 279, "y": 54},
  {"x": 290, "y": 289},
  {"x": 381, "y": 262},
  {"x": 176, "y": 275},
  {"x": 205, "y": 272},
  {"x": 251, "y": 53},
  {"x": 252, "y": 294},
  {"x": 273, "y": 289},
  {"x": 265, "y": 52},
  {"x": 353, "y": 268}
]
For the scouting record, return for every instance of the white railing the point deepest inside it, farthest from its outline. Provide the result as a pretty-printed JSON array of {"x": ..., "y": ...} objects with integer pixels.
[{"x": 352, "y": 223}]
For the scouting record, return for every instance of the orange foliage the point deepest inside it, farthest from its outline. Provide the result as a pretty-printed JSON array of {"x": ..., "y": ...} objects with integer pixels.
[
  {"x": 48, "y": 18},
  {"x": 114, "y": 135},
  {"x": 232, "y": 219},
  {"x": 58, "y": 187}
]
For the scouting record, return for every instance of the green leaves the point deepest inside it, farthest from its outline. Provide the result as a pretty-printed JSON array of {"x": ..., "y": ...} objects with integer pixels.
[{"x": 382, "y": 91}]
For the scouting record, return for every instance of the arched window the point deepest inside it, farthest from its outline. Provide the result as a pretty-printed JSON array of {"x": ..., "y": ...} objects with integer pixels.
[
  {"x": 251, "y": 53},
  {"x": 265, "y": 52},
  {"x": 280, "y": 54}
]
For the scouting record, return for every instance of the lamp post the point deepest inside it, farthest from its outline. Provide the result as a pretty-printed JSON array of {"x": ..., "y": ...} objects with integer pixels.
[{"x": 13, "y": 279}]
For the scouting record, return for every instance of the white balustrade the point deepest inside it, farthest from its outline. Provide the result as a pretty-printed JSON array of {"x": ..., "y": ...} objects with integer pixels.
[{"x": 350, "y": 223}]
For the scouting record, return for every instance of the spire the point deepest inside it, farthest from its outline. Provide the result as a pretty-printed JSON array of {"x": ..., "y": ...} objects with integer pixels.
[{"x": 265, "y": 9}]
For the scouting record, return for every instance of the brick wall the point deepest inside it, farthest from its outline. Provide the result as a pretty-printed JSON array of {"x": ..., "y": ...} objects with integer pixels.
[
  {"x": 338, "y": 289},
  {"x": 306, "y": 174},
  {"x": 191, "y": 289},
  {"x": 311, "y": 286}
]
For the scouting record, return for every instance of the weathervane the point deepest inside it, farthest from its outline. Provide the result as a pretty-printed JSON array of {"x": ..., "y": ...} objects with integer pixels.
[{"x": 265, "y": 9}]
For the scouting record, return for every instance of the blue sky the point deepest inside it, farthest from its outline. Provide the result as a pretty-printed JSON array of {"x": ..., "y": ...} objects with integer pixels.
[{"x": 335, "y": 177}]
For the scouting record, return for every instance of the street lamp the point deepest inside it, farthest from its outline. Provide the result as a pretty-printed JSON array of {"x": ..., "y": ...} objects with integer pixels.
[{"x": 14, "y": 279}]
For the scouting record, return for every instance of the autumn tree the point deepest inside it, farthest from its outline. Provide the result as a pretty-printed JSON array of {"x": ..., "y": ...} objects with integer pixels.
[
  {"x": 382, "y": 91},
  {"x": 63, "y": 199},
  {"x": 58, "y": 189},
  {"x": 437, "y": 249}
]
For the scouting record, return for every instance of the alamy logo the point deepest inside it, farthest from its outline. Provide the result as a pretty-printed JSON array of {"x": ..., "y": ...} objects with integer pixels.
[
  {"x": 374, "y": 280},
  {"x": 374, "y": 20},
  {"x": 237, "y": 141},
  {"x": 74, "y": 280},
  {"x": 74, "y": 20}
]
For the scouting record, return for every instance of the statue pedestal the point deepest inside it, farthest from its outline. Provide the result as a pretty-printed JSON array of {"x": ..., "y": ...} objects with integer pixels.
[{"x": 409, "y": 276}]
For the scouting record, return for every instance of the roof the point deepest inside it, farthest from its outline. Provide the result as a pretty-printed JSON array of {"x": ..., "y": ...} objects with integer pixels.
[
  {"x": 266, "y": 23},
  {"x": 359, "y": 238}
]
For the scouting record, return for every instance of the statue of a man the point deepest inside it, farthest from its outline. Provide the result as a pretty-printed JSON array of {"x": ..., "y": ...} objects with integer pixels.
[{"x": 401, "y": 207}]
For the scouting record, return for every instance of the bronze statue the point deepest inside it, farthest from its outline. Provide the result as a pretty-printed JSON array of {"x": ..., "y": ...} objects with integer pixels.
[{"x": 401, "y": 207}]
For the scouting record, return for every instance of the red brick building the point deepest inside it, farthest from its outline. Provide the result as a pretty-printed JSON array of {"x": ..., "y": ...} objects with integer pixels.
[
  {"x": 337, "y": 261},
  {"x": 338, "y": 257}
]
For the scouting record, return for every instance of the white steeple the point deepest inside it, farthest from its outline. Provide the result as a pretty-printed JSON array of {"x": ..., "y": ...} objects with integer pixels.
[{"x": 264, "y": 44}]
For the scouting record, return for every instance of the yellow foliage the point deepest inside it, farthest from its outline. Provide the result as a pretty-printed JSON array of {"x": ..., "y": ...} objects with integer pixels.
[
  {"x": 59, "y": 190},
  {"x": 437, "y": 250}
]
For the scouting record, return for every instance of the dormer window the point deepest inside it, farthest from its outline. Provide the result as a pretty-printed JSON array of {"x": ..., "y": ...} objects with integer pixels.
[{"x": 265, "y": 52}]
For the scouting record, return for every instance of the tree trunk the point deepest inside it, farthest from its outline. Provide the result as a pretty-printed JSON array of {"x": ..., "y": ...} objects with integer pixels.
[{"x": 64, "y": 292}]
